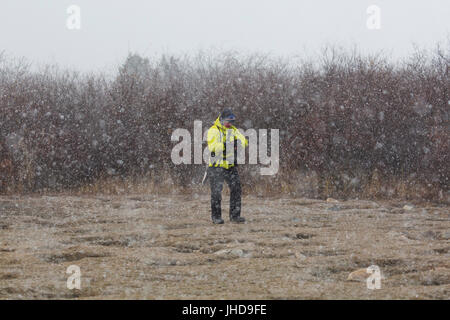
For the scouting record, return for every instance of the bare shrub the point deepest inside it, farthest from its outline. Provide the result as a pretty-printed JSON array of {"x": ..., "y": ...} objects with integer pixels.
[{"x": 351, "y": 125}]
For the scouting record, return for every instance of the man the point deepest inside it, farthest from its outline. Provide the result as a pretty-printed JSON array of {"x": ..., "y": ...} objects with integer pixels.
[{"x": 223, "y": 138}]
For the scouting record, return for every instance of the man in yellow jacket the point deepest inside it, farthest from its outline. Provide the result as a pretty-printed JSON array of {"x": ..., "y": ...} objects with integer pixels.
[{"x": 223, "y": 139}]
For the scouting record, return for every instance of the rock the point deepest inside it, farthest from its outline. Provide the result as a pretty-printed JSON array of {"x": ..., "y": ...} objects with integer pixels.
[
  {"x": 172, "y": 262},
  {"x": 432, "y": 235},
  {"x": 358, "y": 275},
  {"x": 222, "y": 252},
  {"x": 304, "y": 236},
  {"x": 300, "y": 259},
  {"x": 232, "y": 252},
  {"x": 405, "y": 238},
  {"x": 237, "y": 252},
  {"x": 332, "y": 200},
  {"x": 445, "y": 236},
  {"x": 334, "y": 208},
  {"x": 396, "y": 210},
  {"x": 442, "y": 270},
  {"x": 436, "y": 276},
  {"x": 300, "y": 256},
  {"x": 116, "y": 205},
  {"x": 408, "y": 207}
]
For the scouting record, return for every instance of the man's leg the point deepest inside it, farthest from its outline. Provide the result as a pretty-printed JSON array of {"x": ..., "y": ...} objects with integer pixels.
[
  {"x": 234, "y": 182},
  {"x": 216, "y": 183}
]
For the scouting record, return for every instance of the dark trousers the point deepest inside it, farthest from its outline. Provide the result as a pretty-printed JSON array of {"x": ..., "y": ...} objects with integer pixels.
[{"x": 216, "y": 177}]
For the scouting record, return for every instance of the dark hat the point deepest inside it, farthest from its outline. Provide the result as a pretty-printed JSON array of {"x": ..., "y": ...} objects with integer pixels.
[{"x": 227, "y": 114}]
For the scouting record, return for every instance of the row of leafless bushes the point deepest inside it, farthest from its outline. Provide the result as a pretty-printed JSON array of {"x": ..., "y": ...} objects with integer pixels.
[{"x": 348, "y": 119}]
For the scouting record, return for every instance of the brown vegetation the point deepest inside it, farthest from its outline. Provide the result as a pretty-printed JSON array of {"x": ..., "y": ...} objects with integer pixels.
[{"x": 351, "y": 125}]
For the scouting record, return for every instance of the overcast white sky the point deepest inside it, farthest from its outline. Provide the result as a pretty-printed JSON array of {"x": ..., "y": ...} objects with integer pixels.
[{"x": 36, "y": 29}]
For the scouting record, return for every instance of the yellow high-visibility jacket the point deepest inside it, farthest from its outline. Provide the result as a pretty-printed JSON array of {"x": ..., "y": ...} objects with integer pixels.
[{"x": 217, "y": 137}]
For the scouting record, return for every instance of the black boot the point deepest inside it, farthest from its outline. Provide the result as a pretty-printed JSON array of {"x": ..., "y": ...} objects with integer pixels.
[
  {"x": 217, "y": 220},
  {"x": 238, "y": 220}
]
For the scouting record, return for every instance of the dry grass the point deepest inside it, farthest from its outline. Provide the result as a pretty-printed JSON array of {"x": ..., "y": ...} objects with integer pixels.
[
  {"x": 297, "y": 185},
  {"x": 148, "y": 246}
]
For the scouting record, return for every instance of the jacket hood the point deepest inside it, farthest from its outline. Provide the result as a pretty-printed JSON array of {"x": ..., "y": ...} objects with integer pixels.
[{"x": 218, "y": 124}]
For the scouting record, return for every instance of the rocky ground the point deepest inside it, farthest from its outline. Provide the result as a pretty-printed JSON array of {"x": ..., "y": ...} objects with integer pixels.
[{"x": 165, "y": 247}]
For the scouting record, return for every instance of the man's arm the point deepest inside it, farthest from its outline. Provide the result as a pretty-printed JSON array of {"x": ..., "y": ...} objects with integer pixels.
[
  {"x": 214, "y": 142},
  {"x": 241, "y": 138}
]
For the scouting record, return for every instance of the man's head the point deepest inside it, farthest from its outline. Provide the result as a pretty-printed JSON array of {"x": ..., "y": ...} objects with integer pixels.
[{"x": 227, "y": 118}]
